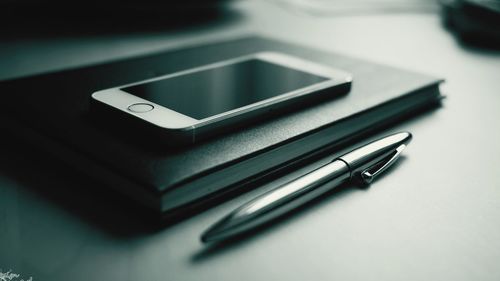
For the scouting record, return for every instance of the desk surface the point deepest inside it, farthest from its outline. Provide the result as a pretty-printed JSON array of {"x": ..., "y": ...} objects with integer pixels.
[{"x": 434, "y": 217}]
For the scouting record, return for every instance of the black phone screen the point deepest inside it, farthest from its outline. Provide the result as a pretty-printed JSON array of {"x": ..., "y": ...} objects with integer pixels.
[{"x": 208, "y": 92}]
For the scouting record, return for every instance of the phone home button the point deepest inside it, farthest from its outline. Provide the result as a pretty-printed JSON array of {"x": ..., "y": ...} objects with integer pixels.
[{"x": 140, "y": 107}]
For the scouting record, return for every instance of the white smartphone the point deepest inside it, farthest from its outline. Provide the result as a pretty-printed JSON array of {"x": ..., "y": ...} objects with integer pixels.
[{"x": 191, "y": 105}]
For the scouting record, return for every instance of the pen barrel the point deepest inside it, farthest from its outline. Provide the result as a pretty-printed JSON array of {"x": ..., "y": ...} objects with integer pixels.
[
  {"x": 367, "y": 161},
  {"x": 300, "y": 190},
  {"x": 281, "y": 200}
]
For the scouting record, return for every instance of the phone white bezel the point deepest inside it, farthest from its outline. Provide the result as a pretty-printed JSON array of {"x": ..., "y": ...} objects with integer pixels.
[{"x": 169, "y": 119}]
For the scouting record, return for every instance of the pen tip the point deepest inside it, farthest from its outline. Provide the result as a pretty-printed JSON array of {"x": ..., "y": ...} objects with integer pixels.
[
  {"x": 221, "y": 230},
  {"x": 210, "y": 235},
  {"x": 205, "y": 237}
]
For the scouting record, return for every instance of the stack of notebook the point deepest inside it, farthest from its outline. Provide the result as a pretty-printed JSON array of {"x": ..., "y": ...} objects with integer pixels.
[{"x": 53, "y": 113}]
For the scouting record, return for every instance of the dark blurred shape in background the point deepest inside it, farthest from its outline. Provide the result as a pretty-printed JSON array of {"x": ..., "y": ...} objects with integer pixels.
[
  {"x": 474, "y": 22},
  {"x": 32, "y": 18}
]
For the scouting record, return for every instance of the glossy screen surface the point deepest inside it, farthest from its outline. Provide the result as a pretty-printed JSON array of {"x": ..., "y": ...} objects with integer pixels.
[{"x": 209, "y": 92}]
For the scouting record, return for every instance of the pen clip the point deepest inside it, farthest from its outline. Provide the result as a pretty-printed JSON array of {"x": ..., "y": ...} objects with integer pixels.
[{"x": 369, "y": 174}]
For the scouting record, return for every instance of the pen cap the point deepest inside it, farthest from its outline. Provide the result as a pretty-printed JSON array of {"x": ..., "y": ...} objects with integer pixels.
[{"x": 377, "y": 155}]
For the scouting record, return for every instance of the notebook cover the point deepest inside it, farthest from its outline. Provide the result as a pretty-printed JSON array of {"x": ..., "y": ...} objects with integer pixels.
[{"x": 57, "y": 105}]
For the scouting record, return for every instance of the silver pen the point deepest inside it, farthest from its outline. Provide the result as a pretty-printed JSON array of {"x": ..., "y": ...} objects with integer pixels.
[{"x": 363, "y": 164}]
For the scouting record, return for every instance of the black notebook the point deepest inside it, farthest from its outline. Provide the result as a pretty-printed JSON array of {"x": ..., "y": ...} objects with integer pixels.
[{"x": 55, "y": 115}]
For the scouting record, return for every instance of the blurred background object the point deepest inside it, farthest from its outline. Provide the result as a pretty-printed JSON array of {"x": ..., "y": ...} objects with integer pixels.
[
  {"x": 474, "y": 22},
  {"x": 111, "y": 5},
  {"x": 33, "y": 18}
]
